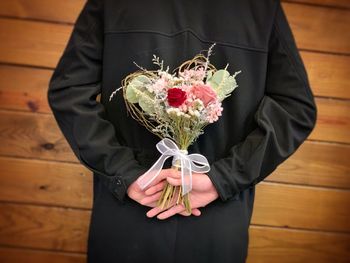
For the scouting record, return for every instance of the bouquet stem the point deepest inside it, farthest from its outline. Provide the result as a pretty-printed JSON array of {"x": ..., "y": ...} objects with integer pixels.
[{"x": 170, "y": 191}]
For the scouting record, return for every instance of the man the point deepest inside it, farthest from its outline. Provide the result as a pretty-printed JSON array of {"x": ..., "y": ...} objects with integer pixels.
[{"x": 266, "y": 119}]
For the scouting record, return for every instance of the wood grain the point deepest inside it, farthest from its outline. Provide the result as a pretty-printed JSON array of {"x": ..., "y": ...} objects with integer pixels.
[
  {"x": 333, "y": 121},
  {"x": 25, "y": 89},
  {"x": 300, "y": 211},
  {"x": 292, "y": 205},
  {"x": 322, "y": 29},
  {"x": 41, "y": 44},
  {"x": 26, "y": 226},
  {"x": 295, "y": 246},
  {"x": 33, "y": 136},
  {"x": 316, "y": 164},
  {"x": 28, "y": 134},
  {"x": 45, "y": 182},
  {"x": 69, "y": 184},
  {"x": 328, "y": 74},
  {"x": 67, "y": 12},
  {"x": 270, "y": 245},
  {"x": 21, "y": 255},
  {"x": 48, "y": 10},
  {"x": 32, "y": 43},
  {"x": 44, "y": 227},
  {"x": 330, "y": 3},
  {"x": 301, "y": 207}
]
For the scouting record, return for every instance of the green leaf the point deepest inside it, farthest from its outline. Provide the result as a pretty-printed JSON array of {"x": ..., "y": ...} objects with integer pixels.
[
  {"x": 146, "y": 101},
  {"x": 223, "y": 83},
  {"x": 135, "y": 86}
]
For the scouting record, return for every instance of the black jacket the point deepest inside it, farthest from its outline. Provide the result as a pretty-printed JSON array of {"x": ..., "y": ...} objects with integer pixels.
[{"x": 264, "y": 121}]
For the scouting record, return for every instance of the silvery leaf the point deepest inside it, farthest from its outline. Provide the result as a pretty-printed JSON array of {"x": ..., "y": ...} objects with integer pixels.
[{"x": 136, "y": 86}]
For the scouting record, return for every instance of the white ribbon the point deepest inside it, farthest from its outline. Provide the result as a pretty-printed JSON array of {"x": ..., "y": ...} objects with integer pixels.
[{"x": 169, "y": 148}]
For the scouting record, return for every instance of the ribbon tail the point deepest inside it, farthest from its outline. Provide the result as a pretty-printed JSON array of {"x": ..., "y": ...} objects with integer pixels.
[
  {"x": 186, "y": 176},
  {"x": 144, "y": 180}
]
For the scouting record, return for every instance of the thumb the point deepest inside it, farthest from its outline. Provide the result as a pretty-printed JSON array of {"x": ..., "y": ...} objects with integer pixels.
[{"x": 174, "y": 181}]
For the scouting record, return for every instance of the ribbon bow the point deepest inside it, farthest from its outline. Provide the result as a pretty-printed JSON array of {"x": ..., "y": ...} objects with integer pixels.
[{"x": 169, "y": 148}]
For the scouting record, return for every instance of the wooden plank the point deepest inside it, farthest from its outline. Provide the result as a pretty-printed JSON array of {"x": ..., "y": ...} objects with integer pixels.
[
  {"x": 301, "y": 207},
  {"x": 41, "y": 44},
  {"x": 69, "y": 184},
  {"x": 45, "y": 182},
  {"x": 333, "y": 121},
  {"x": 322, "y": 29},
  {"x": 270, "y": 245},
  {"x": 32, "y": 43},
  {"x": 33, "y": 136},
  {"x": 26, "y": 226},
  {"x": 275, "y": 245},
  {"x": 29, "y": 134},
  {"x": 328, "y": 74},
  {"x": 48, "y": 10},
  {"x": 67, "y": 11},
  {"x": 316, "y": 164},
  {"x": 23, "y": 88},
  {"x": 20, "y": 255},
  {"x": 292, "y": 205},
  {"x": 330, "y": 3},
  {"x": 38, "y": 136}
]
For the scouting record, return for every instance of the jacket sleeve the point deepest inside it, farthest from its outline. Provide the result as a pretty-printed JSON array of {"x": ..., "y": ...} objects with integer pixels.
[
  {"x": 72, "y": 93},
  {"x": 285, "y": 117}
]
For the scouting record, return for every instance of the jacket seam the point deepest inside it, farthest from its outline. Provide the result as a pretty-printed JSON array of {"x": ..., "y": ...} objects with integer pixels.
[
  {"x": 263, "y": 50},
  {"x": 291, "y": 59}
]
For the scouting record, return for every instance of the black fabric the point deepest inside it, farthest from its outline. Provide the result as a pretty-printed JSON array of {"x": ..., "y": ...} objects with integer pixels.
[
  {"x": 264, "y": 121},
  {"x": 285, "y": 117}
]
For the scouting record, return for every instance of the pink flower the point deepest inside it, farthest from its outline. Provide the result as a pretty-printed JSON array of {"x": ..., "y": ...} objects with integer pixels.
[
  {"x": 205, "y": 93},
  {"x": 193, "y": 74},
  {"x": 214, "y": 111},
  {"x": 159, "y": 85}
]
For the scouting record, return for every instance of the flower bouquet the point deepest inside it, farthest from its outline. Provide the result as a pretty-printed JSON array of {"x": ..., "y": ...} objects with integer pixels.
[{"x": 176, "y": 107}]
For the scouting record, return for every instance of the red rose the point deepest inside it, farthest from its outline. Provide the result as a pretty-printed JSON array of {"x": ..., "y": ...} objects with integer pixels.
[{"x": 176, "y": 97}]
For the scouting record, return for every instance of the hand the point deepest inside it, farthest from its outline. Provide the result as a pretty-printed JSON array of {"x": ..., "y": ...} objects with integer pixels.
[
  {"x": 203, "y": 192},
  {"x": 150, "y": 198}
]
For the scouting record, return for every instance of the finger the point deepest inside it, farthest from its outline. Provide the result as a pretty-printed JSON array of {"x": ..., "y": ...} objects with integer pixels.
[
  {"x": 196, "y": 212},
  {"x": 163, "y": 174},
  {"x": 154, "y": 204},
  {"x": 170, "y": 172},
  {"x": 149, "y": 199},
  {"x": 155, "y": 188},
  {"x": 172, "y": 211},
  {"x": 174, "y": 181},
  {"x": 158, "y": 209},
  {"x": 173, "y": 173},
  {"x": 185, "y": 213},
  {"x": 155, "y": 211}
]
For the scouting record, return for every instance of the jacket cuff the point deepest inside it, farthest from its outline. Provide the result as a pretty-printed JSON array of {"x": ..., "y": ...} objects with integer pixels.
[
  {"x": 120, "y": 182},
  {"x": 225, "y": 189}
]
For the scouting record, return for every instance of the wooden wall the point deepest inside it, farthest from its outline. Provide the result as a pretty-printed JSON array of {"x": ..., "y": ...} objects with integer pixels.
[{"x": 301, "y": 212}]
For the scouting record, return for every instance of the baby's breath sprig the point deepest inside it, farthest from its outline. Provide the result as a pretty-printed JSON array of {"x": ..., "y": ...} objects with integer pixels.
[
  {"x": 142, "y": 68},
  {"x": 210, "y": 50},
  {"x": 156, "y": 61},
  {"x": 114, "y": 92}
]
